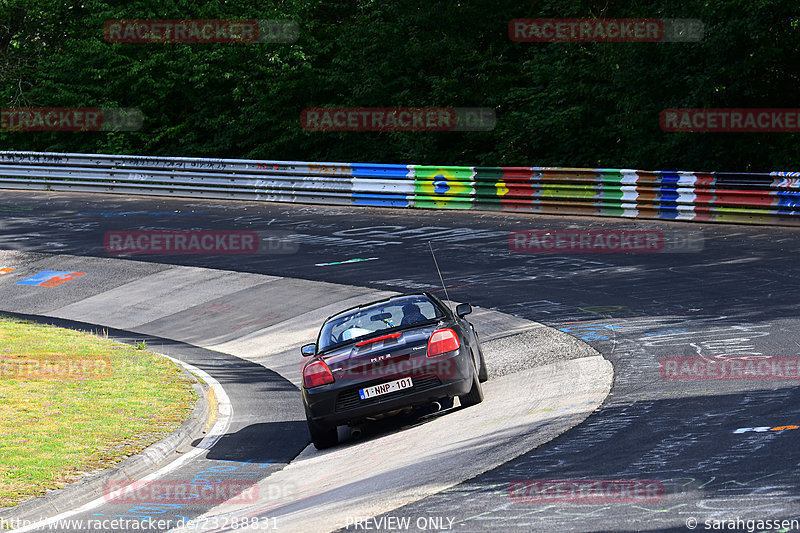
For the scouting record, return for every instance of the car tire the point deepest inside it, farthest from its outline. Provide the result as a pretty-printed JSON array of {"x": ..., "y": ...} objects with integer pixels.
[
  {"x": 322, "y": 436},
  {"x": 475, "y": 394},
  {"x": 483, "y": 372}
]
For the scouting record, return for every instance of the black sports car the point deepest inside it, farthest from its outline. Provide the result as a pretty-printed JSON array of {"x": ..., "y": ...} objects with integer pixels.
[{"x": 389, "y": 356}]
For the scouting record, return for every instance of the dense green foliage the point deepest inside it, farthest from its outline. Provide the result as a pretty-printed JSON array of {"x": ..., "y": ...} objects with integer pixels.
[{"x": 557, "y": 104}]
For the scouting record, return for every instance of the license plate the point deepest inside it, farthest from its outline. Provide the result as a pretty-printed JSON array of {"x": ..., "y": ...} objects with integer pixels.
[{"x": 385, "y": 388}]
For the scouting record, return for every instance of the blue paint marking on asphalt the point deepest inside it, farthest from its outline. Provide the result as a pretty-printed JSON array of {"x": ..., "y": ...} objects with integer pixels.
[
  {"x": 357, "y": 260},
  {"x": 592, "y": 332},
  {"x": 221, "y": 471},
  {"x": 43, "y": 276}
]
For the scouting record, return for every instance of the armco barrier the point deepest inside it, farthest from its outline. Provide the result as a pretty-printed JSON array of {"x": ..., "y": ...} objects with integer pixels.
[{"x": 772, "y": 198}]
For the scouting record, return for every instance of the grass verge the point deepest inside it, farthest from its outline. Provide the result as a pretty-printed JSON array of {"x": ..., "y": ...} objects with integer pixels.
[{"x": 72, "y": 403}]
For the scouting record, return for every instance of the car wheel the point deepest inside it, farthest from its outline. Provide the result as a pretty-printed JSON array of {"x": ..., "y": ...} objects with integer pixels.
[
  {"x": 322, "y": 436},
  {"x": 483, "y": 372},
  {"x": 475, "y": 394}
]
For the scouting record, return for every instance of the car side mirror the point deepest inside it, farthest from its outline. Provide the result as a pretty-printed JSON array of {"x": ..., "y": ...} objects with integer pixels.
[
  {"x": 463, "y": 310},
  {"x": 308, "y": 350}
]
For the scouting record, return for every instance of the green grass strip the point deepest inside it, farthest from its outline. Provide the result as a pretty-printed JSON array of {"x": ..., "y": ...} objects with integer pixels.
[{"x": 72, "y": 403}]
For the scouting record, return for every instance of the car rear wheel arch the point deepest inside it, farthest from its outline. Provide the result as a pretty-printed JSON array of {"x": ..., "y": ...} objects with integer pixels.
[
  {"x": 322, "y": 435},
  {"x": 475, "y": 394}
]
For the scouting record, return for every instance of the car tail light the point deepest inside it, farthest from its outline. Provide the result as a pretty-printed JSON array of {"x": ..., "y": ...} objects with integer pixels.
[
  {"x": 316, "y": 373},
  {"x": 443, "y": 341}
]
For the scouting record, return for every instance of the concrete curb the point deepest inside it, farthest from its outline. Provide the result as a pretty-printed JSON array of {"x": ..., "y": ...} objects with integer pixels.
[{"x": 132, "y": 468}]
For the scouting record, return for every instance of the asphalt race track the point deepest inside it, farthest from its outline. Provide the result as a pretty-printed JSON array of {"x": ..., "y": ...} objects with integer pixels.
[
  {"x": 711, "y": 291},
  {"x": 264, "y": 320}
]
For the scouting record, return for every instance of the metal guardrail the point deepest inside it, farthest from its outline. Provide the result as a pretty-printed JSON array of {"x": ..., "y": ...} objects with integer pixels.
[{"x": 766, "y": 198}]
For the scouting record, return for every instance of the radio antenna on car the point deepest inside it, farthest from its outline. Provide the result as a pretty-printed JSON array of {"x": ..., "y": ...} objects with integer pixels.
[{"x": 449, "y": 303}]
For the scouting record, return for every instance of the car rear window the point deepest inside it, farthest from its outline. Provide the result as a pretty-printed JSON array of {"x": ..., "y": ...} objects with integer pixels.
[{"x": 396, "y": 313}]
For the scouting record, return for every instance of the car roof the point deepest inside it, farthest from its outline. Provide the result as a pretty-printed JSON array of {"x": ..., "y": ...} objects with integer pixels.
[{"x": 392, "y": 299}]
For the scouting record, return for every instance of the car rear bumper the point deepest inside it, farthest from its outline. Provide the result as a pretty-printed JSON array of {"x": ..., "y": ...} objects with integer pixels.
[{"x": 336, "y": 404}]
